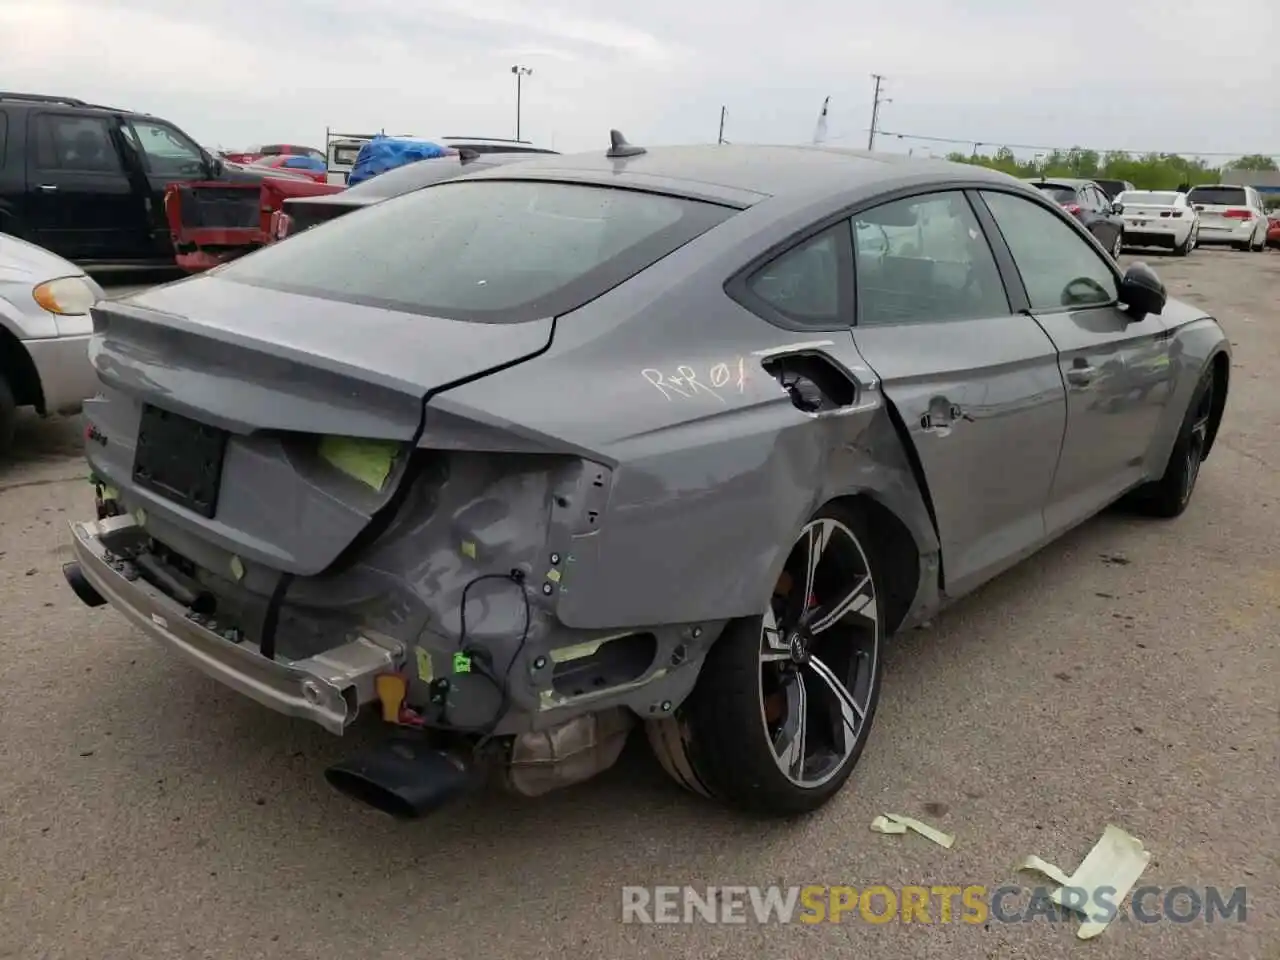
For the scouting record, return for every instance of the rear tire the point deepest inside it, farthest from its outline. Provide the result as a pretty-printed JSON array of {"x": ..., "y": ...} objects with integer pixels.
[
  {"x": 1169, "y": 496},
  {"x": 1260, "y": 247},
  {"x": 8, "y": 417},
  {"x": 1187, "y": 245},
  {"x": 785, "y": 700},
  {"x": 1117, "y": 248}
]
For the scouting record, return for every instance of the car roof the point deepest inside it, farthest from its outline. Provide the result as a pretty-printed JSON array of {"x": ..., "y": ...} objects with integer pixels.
[
  {"x": 1072, "y": 182},
  {"x": 48, "y": 100},
  {"x": 412, "y": 176},
  {"x": 744, "y": 174}
]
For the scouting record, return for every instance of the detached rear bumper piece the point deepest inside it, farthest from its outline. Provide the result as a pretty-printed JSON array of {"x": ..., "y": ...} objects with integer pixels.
[{"x": 328, "y": 688}]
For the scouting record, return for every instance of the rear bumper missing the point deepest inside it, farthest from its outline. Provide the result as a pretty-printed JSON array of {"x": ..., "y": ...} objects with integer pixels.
[{"x": 328, "y": 688}]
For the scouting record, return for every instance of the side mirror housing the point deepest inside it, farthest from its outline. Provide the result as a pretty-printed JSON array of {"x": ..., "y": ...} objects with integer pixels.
[
  {"x": 1117, "y": 208},
  {"x": 1142, "y": 291}
]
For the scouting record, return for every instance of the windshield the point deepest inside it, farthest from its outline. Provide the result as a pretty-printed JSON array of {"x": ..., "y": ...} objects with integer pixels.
[
  {"x": 492, "y": 251},
  {"x": 1057, "y": 192},
  {"x": 1227, "y": 196},
  {"x": 1149, "y": 198}
]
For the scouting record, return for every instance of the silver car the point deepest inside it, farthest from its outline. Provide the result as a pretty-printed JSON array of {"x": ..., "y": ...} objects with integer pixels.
[
  {"x": 674, "y": 438},
  {"x": 44, "y": 333}
]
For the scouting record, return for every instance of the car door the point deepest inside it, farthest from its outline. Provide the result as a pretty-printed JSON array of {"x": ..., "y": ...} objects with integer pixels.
[
  {"x": 166, "y": 155},
  {"x": 80, "y": 202},
  {"x": 1116, "y": 368},
  {"x": 976, "y": 385}
]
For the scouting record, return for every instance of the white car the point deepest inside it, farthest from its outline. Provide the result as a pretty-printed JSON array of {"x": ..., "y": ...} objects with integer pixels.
[
  {"x": 1230, "y": 214},
  {"x": 44, "y": 333},
  {"x": 1159, "y": 218}
]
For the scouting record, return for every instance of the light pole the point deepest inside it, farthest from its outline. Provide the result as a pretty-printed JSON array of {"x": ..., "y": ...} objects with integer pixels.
[{"x": 521, "y": 73}]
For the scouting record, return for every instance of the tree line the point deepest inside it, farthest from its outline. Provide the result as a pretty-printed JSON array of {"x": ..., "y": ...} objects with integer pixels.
[{"x": 1152, "y": 171}]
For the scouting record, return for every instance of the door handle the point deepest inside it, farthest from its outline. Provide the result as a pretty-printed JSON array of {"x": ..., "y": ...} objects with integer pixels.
[
  {"x": 1081, "y": 376},
  {"x": 49, "y": 187}
]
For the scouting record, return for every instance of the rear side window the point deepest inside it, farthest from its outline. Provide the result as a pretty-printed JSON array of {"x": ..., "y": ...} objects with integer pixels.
[
  {"x": 491, "y": 251},
  {"x": 806, "y": 284},
  {"x": 82, "y": 144},
  {"x": 1059, "y": 268},
  {"x": 925, "y": 259},
  {"x": 1227, "y": 196}
]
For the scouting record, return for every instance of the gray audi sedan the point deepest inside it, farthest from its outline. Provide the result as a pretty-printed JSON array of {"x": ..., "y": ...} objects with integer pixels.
[{"x": 672, "y": 438}]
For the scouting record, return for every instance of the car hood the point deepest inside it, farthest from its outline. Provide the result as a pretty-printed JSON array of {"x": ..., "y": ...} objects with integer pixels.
[
  {"x": 23, "y": 261},
  {"x": 239, "y": 173}
]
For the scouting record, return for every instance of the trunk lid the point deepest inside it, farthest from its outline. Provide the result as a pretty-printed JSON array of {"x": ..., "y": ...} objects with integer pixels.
[{"x": 303, "y": 411}]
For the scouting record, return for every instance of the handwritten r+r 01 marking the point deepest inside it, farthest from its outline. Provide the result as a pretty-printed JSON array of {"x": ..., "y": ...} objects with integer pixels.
[{"x": 685, "y": 382}]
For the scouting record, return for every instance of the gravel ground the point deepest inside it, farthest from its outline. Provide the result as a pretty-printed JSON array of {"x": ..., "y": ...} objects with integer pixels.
[{"x": 1126, "y": 675}]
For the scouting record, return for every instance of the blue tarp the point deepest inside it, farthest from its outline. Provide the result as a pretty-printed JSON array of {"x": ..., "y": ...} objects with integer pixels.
[
  {"x": 300, "y": 162},
  {"x": 386, "y": 153}
]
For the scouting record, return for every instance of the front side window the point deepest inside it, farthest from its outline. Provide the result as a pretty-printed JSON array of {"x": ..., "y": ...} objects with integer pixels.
[
  {"x": 1059, "y": 267},
  {"x": 490, "y": 251},
  {"x": 82, "y": 144},
  {"x": 168, "y": 153},
  {"x": 925, "y": 259}
]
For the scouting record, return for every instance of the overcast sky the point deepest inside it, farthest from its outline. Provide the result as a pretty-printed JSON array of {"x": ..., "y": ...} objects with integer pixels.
[{"x": 1176, "y": 75}]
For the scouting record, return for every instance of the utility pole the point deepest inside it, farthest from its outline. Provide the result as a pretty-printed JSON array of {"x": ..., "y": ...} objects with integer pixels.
[
  {"x": 720, "y": 138},
  {"x": 521, "y": 73},
  {"x": 875, "y": 109}
]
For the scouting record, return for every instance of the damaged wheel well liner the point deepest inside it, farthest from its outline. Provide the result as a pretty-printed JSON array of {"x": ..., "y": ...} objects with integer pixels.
[{"x": 896, "y": 551}]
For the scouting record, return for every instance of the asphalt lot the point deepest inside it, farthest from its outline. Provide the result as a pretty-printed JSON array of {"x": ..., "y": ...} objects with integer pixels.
[{"x": 1125, "y": 675}]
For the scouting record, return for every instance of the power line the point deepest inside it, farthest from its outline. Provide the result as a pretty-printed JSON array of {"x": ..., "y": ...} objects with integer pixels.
[{"x": 975, "y": 144}]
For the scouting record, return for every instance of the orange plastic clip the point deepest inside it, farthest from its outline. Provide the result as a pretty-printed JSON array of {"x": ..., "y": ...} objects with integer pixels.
[{"x": 391, "y": 689}]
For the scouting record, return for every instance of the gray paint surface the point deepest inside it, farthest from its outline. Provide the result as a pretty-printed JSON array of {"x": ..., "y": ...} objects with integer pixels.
[{"x": 639, "y": 439}]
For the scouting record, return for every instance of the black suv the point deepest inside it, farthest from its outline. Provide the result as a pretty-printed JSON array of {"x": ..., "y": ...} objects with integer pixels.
[{"x": 88, "y": 181}]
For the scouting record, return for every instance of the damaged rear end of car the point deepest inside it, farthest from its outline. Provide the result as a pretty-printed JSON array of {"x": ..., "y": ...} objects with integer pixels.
[
  {"x": 282, "y": 502},
  {"x": 213, "y": 222}
]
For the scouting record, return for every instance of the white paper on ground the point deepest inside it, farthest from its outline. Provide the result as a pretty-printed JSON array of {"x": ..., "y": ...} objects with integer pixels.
[
  {"x": 1115, "y": 862},
  {"x": 895, "y": 823},
  {"x": 881, "y": 825}
]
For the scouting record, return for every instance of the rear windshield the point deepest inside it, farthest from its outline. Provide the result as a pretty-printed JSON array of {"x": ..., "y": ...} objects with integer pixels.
[
  {"x": 1110, "y": 187},
  {"x": 1228, "y": 196},
  {"x": 1150, "y": 198},
  {"x": 1057, "y": 192},
  {"x": 492, "y": 251}
]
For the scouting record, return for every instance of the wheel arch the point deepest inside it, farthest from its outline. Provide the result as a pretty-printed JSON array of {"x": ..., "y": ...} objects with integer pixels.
[
  {"x": 1221, "y": 366},
  {"x": 896, "y": 551},
  {"x": 19, "y": 371}
]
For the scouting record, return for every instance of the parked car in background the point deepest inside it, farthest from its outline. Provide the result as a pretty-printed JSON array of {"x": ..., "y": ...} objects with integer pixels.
[
  {"x": 1159, "y": 218},
  {"x": 1273, "y": 227},
  {"x": 44, "y": 333},
  {"x": 1230, "y": 213},
  {"x": 1088, "y": 203},
  {"x": 301, "y": 213},
  {"x": 273, "y": 150},
  {"x": 89, "y": 182},
  {"x": 1113, "y": 188},
  {"x": 309, "y": 167},
  {"x": 693, "y": 452}
]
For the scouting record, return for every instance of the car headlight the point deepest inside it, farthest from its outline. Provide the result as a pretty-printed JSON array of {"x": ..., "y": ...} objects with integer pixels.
[{"x": 66, "y": 296}]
